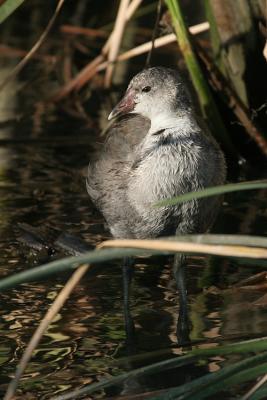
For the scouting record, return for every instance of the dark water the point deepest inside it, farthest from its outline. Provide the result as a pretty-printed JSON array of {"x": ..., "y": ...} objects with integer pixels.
[
  {"x": 41, "y": 183},
  {"x": 43, "y": 155}
]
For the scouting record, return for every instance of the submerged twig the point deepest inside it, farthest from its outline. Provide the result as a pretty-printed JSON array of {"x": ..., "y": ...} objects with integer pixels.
[
  {"x": 49, "y": 316},
  {"x": 33, "y": 50}
]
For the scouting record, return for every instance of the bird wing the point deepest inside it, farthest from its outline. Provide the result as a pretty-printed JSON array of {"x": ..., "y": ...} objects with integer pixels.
[
  {"x": 109, "y": 169},
  {"x": 124, "y": 135}
]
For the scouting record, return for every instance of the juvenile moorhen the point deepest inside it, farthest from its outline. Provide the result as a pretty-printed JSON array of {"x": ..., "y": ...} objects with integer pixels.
[{"x": 156, "y": 149}]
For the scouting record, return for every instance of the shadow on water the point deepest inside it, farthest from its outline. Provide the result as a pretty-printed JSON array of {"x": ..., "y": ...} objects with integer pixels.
[{"x": 42, "y": 161}]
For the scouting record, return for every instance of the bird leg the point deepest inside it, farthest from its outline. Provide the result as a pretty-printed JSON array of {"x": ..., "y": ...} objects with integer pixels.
[
  {"x": 183, "y": 324},
  {"x": 127, "y": 269}
]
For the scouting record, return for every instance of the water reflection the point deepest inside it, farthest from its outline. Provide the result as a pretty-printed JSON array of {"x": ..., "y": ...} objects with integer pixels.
[{"x": 86, "y": 341}]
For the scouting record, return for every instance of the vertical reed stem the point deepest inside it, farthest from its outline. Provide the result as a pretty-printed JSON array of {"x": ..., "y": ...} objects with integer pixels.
[{"x": 206, "y": 101}]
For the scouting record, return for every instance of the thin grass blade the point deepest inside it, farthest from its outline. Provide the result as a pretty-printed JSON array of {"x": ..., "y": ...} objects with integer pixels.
[
  {"x": 241, "y": 347},
  {"x": 214, "y": 191},
  {"x": 215, "y": 382},
  {"x": 219, "y": 245},
  {"x": 8, "y": 7},
  {"x": 68, "y": 264}
]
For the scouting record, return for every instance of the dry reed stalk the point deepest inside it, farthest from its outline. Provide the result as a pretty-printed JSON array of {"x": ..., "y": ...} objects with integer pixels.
[
  {"x": 254, "y": 389},
  {"x": 132, "y": 8},
  {"x": 79, "y": 80},
  {"x": 90, "y": 69},
  {"x": 129, "y": 13},
  {"x": 187, "y": 247},
  {"x": 7, "y": 51},
  {"x": 116, "y": 39},
  {"x": 49, "y": 316},
  {"x": 265, "y": 51},
  {"x": 98, "y": 65},
  {"x": 33, "y": 50},
  {"x": 78, "y": 30},
  {"x": 143, "y": 48},
  {"x": 159, "y": 42}
]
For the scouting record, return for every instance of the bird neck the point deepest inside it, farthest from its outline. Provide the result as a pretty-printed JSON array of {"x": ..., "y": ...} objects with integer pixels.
[{"x": 182, "y": 123}]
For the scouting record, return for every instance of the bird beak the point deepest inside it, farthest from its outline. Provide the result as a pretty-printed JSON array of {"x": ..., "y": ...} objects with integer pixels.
[{"x": 125, "y": 106}]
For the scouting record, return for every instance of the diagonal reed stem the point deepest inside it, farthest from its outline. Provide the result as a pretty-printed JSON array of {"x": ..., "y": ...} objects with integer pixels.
[{"x": 33, "y": 50}]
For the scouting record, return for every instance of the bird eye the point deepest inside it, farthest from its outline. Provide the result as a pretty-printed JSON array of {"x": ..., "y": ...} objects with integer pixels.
[{"x": 146, "y": 89}]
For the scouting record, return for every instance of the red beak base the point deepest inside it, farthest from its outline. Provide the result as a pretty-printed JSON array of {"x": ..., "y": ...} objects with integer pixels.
[{"x": 125, "y": 106}]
